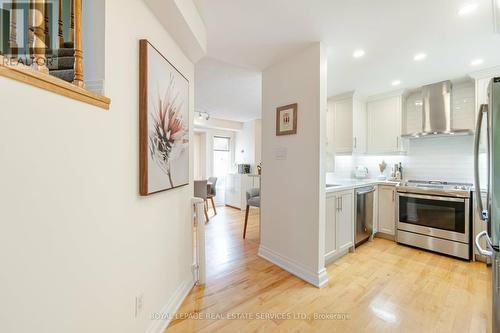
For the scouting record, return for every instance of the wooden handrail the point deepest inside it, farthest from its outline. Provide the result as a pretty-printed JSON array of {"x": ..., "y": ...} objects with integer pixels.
[
  {"x": 78, "y": 44},
  {"x": 13, "y": 29},
  {"x": 37, "y": 46}
]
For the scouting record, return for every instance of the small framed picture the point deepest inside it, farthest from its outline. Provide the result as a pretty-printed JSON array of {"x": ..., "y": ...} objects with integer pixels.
[{"x": 286, "y": 119}]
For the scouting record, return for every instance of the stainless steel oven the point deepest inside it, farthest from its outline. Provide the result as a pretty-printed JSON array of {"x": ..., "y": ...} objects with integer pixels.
[{"x": 435, "y": 222}]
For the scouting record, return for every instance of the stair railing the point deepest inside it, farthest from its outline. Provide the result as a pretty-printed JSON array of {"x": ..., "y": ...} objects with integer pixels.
[
  {"x": 13, "y": 30},
  {"x": 199, "y": 261},
  {"x": 39, "y": 38},
  {"x": 77, "y": 5}
]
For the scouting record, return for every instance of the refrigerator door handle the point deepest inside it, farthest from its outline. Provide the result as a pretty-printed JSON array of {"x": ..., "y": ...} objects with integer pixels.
[
  {"x": 482, "y": 251},
  {"x": 483, "y": 213}
]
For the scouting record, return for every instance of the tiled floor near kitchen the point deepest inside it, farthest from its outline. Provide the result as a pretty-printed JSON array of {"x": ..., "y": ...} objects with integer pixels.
[{"x": 382, "y": 287}]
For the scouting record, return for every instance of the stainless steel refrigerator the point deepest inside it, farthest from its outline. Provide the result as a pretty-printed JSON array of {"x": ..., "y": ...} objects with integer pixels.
[{"x": 490, "y": 211}]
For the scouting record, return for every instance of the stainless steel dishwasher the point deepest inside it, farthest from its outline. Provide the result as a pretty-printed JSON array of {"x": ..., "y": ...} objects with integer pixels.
[{"x": 364, "y": 214}]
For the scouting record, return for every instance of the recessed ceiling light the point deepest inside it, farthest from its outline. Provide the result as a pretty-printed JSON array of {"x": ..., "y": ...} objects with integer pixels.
[
  {"x": 358, "y": 53},
  {"x": 419, "y": 56},
  {"x": 467, "y": 9},
  {"x": 476, "y": 62},
  {"x": 396, "y": 83}
]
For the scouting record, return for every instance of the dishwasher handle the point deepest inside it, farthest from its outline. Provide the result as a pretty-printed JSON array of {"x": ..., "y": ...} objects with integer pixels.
[{"x": 365, "y": 192}]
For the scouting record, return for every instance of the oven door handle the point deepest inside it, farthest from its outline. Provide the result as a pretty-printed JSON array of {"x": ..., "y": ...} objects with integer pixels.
[
  {"x": 482, "y": 251},
  {"x": 430, "y": 197}
]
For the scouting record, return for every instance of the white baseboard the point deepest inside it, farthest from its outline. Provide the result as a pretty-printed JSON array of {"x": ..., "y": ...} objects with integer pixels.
[
  {"x": 170, "y": 309},
  {"x": 317, "y": 279}
]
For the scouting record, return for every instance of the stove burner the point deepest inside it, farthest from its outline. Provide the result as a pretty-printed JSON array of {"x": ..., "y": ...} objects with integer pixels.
[{"x": 434, "y": 187}]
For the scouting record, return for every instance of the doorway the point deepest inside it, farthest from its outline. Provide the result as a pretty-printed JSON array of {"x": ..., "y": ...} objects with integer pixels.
[{"x": 221, "y": 165}]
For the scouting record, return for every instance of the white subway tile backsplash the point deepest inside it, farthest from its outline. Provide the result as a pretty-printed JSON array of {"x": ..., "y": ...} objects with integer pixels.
[{"x": 440, "y": 158}]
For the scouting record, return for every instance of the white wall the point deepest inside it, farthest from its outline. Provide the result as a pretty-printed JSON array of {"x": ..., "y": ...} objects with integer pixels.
[
  {"x": 78, "y": 243},
  {"x": 198, "y": 155},
  {"x": 293, "y": 188},
  {"x": 258, "y": 141},
  {"x": 94, "y": 43},
  {"x": 248, "y": 144}
]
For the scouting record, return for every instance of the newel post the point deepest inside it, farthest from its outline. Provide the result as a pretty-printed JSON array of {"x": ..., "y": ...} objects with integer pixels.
[{"x": 37, "y": 35}]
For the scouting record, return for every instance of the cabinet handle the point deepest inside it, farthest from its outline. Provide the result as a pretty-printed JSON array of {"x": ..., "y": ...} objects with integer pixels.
[
  {"x": 341, "y": 203},
  {"x": 393, "y": 196},
  {"x": 355, "y": 142},
  {"x": 397, "y": 142}
]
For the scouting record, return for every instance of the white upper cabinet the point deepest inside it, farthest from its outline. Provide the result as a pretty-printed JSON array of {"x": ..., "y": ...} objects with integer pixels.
[
  {"x": 359, "y": 126},
  {"x": 349, "y": 123},
  {"x": 343, "y": 125},
  {"x": 482, "y": 80},
  {"x": 384, "y": 124}
]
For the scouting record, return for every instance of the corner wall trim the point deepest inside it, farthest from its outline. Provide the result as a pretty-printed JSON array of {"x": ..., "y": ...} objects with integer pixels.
[
  {"x": 170, "y": 309},
  {"x": 317, "y": 279}
]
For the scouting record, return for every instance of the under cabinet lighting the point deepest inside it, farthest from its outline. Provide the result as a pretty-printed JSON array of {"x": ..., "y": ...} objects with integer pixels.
[{"x": 396, "y": 83}]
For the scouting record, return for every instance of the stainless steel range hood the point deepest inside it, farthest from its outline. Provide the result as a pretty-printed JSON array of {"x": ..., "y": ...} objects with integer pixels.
[{"x": 436, "y": 112}]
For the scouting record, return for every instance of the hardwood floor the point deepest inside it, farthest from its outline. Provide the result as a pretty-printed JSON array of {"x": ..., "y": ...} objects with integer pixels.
[{"x": 382, "y": 287}]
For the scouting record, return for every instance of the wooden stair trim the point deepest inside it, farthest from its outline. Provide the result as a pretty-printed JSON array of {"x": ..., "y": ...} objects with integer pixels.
[{"x": 48, "y": 82}]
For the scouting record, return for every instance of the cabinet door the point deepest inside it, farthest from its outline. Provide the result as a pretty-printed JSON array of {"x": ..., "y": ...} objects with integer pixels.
[
  {"x": 345, "y": 221},
  {"x": 387, "y": 209},
  {"x": 343, "y": 125},
  {"x": 359, "y": 126},
  {"x": 330, "y": 229},
  {"x": 384, "y": 125}
]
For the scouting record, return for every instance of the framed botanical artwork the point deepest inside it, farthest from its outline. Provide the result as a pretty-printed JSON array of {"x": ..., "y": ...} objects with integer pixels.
[
  {"x": 286, "y": 119},
  {"x": 163, "y": 123}
]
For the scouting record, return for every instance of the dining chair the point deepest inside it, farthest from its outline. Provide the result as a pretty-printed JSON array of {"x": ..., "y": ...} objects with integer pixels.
[
  {"x": 200, "y": 191},
  {"x": 253, "y": 200},
  {"x": 213, "y": 191}
]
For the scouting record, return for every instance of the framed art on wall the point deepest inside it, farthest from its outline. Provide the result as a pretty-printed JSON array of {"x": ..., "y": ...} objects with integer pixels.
[
  {"x": 163, "y": 123},
  {"x": 286, "y": 119}
]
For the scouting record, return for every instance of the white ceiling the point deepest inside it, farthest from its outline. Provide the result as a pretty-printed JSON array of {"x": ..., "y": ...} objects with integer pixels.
[
  {"x": 227, "y": 91},
  {"x": 255, "y": 34}
]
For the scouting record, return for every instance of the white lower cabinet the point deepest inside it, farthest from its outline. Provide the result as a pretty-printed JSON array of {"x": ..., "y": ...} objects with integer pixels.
[
  {"x": 339, "y": 224},
  {"x": 236, "y": 189},
  {"x": 387, "y": 209}
]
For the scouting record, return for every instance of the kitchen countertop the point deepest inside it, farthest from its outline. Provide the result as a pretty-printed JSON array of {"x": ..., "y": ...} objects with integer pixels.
[{"x": 349, "y": 184}]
